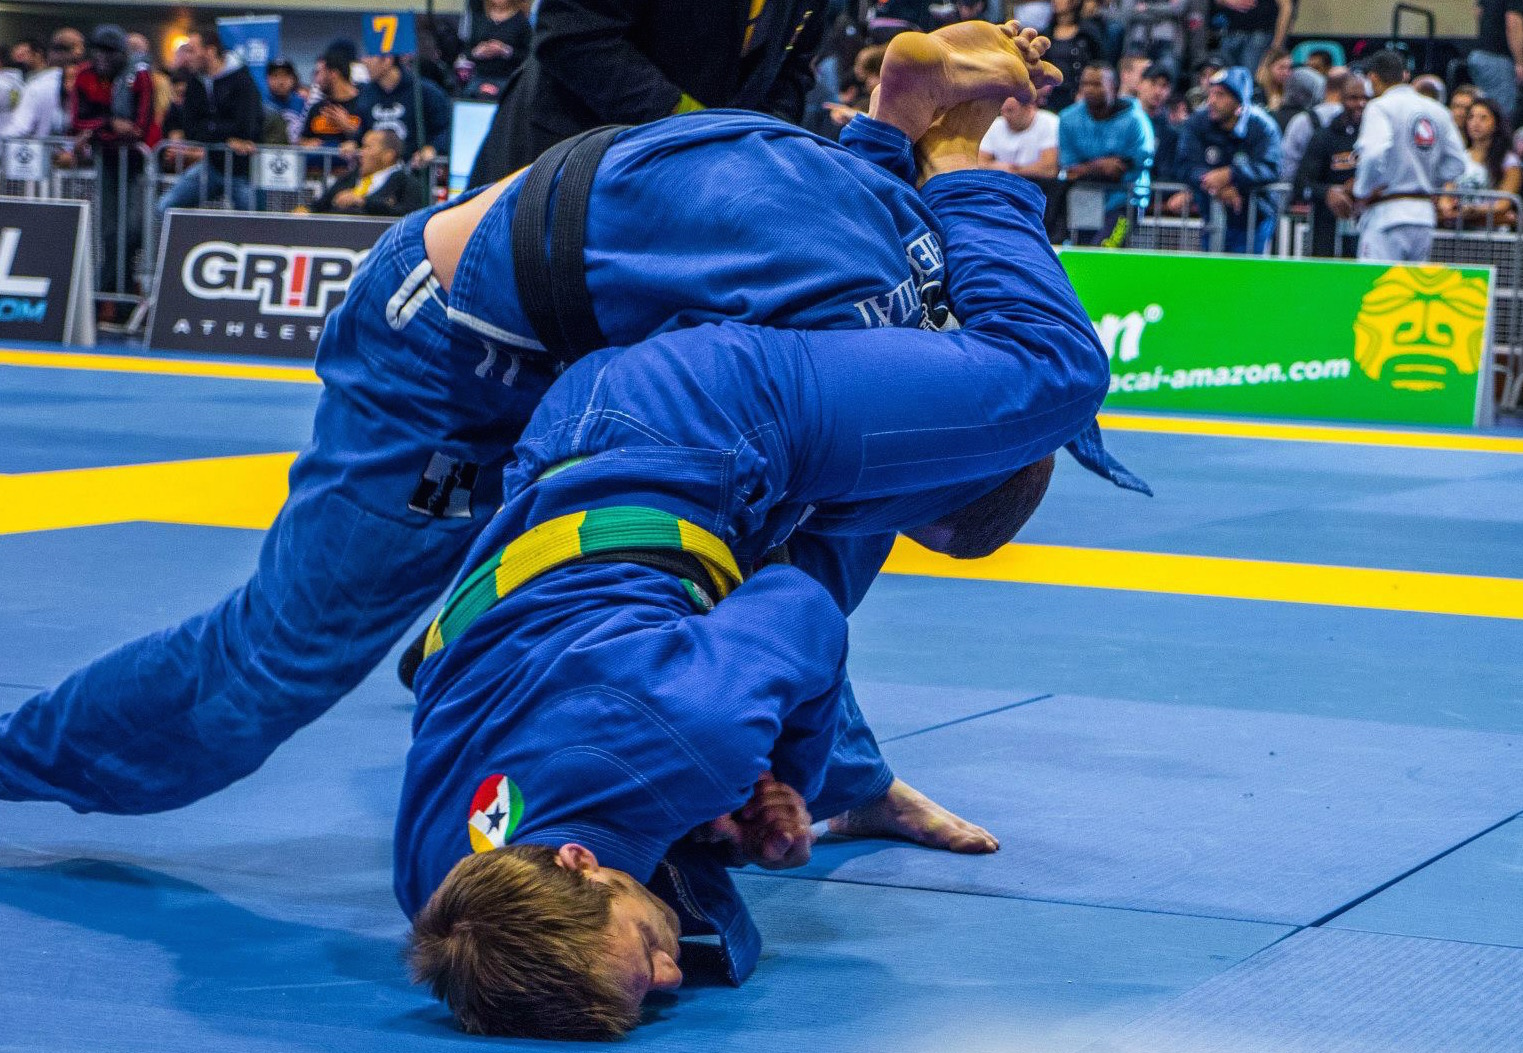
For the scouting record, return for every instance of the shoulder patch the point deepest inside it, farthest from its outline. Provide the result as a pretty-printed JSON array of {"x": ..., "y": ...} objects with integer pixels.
[{"x": 495, "y": 812}]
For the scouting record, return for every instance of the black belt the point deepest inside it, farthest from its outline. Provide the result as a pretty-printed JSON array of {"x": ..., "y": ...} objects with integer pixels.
[{"x": 552, "y": 289}]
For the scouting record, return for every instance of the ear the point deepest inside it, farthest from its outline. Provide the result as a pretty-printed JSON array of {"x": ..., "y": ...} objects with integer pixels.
[{"x": 573, "y": 856}]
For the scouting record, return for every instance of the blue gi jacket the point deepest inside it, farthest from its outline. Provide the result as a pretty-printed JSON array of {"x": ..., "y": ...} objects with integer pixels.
[{"x": 624, "y": 717}]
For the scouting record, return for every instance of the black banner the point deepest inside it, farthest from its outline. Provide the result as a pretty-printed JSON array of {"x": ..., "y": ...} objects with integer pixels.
[
  {"x": 41, "y": 243},
  {"x": 252, "y": 282}
]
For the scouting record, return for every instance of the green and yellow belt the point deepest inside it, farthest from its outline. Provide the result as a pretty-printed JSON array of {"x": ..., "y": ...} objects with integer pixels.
[{"x": 623, "y": 533}]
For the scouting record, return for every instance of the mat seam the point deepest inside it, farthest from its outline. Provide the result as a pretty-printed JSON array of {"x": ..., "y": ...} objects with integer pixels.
[{"x": 973, "y": 716}]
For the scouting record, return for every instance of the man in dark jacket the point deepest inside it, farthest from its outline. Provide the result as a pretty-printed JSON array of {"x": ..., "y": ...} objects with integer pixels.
[
  {"x": 1325, "y": 177},
  {"x": 396, "y": 100},
  {"x": 222, "y": 106},
  {"x": 1229, "y": 152},
  {"x": 380, "y": 186},
  {"x": 112, "y": 108},
  {"x": 630, "y": 62}
]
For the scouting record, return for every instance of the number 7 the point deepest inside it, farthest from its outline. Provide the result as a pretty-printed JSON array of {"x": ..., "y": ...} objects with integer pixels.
[{"x": 386, "y": 25}]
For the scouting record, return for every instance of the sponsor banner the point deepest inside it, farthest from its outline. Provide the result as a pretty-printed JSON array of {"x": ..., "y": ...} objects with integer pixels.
[
  {"x": 1314, "y": 339},
  {"x": 255, "y": 39},
  {"x": 46, "y": 275},
  {"x": 253, "y": 283}
]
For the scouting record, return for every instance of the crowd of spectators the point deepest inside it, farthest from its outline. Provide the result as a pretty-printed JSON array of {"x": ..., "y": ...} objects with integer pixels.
[{"x": 1143, "y": 105}]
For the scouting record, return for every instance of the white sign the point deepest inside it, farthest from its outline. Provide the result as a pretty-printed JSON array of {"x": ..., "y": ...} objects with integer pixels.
[
  {"x": 277, "y": 169},
  {"x": 27, "y": 160}
]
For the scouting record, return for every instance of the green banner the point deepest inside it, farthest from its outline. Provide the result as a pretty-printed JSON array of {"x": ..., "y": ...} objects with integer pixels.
[{"x": 1288, "y": 338}]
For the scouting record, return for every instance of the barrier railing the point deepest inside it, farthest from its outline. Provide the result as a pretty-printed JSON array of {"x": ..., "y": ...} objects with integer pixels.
[{"x": 115, "y": 180}]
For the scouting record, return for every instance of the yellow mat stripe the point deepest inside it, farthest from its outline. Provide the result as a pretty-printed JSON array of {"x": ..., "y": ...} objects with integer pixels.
[
  {"x": 161, "y": 366},
  {"x": 1338, "y": 434},
  {"x": 1241, "y": 579}
]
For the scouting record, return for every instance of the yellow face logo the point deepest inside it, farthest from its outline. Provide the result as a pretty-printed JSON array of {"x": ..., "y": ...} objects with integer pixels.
[{"x": 1420, "y": 326}]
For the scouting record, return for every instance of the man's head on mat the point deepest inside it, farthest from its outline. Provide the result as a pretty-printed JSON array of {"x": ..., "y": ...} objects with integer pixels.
[
  {"x": 979, "y": 529},
  {"x": 542, "y": 942}
]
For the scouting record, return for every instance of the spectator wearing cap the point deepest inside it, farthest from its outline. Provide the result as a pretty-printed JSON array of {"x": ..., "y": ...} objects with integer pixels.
[
  {"x": 1324, "y": 177},
  {"x": 1298, "y": 132},
  {"x": 1153, "y": 92},
  {"x": 1229, "y": 153},
  {"x": 225, "y": 112},
  {"x": 333, "y": 107},
  {"x": 380, "y": 185},
  {"x": 398, "y": 100},
  {"x": 1106, "y": 139},
  {"x": 111, "y": 110},
  {"x": 37, "y": 111},
  {"x": 287, "y": 103}
]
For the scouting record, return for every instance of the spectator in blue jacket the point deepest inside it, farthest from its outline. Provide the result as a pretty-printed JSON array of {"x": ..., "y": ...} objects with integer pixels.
[
  {"x": 1106, "y": 139},
  {"x": 398, "y": 101},
  {"x": 1229, "y": 151}
]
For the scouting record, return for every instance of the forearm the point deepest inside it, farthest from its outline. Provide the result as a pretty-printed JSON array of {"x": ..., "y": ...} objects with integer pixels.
[
  {"x": 1282, "y": 23},
  {"x": 1514, "y": 22}
]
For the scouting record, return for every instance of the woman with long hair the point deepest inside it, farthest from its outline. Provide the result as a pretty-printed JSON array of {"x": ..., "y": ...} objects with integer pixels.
[
  {"x": 1273, "y": 75},
  {"x": 1491, "y": 165}
]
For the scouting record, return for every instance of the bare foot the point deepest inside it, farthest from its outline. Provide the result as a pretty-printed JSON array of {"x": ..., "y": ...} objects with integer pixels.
[
  {"x": 906, "y": 813},
  {"x": 926, "y": 74}
]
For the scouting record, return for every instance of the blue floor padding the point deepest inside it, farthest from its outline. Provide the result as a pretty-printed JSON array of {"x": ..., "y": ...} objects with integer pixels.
[
  {"x": 292, "y": 953},
  {"x": 907, "y": 709},
  {"x": 1389, "y": 666},
  {"x": 56, "y": 418},
  {"x": 1256, "y": 816},
  {"x": 1327, "y": 991},
  {"x": 69, "y": 595},
  {"x": 1474, "y": 895}
]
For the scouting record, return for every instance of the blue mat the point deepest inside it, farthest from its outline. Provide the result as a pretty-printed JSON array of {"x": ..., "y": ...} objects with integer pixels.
[
  {"x": 1474, "y": 894},
  {"x": 56, "y": 418},
  {"x": 1325, "y": 991},
  {"x": 895, "y": 710},
  {"x": 1386, "y": 666},
  {"x": 1258, "y": 816},
  {"x": 138, "y": 577},
  {"x": 292, "y": 952}
]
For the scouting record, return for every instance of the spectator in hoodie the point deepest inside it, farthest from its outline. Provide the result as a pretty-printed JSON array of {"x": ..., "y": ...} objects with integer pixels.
[
  {"x": 225, "y": 112},
  {"x": 396, "y": 100},
  {"x": 1229, "y": 152},
  {"x": 1297, "y": 134},
  {"x": 1303, "y": 90},
  {"x": 112, "y": 111}
]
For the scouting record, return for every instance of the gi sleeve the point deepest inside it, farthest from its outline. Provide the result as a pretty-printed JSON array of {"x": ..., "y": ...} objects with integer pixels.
[
  {"x": 1024, "y": 375},
  {"x": 881, "y": 144},
  {"x": 755, "y": 684},
  {"x": 1376, "y": 138}
]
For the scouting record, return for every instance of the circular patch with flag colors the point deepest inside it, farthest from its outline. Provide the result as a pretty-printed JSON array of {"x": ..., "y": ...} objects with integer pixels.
[{"x": 495, "y": 811}]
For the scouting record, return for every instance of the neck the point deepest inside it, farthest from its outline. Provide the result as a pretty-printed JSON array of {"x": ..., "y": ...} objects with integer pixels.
[
  {"x": 391, "y": 78},
  {"x": 215, "y": 65}
]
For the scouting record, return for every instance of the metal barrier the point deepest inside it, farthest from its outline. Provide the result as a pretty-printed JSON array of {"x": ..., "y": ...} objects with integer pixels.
[
  {"x": 116, "y": 180},
  {"x": 1166, "y": 221},
  {"x": 269, "y": 179}
]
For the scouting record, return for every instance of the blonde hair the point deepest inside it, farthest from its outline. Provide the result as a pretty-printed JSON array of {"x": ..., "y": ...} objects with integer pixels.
[{"x": 516, "y": 945}]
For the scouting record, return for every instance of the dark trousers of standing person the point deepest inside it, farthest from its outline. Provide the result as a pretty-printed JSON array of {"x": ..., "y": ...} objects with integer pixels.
[{"x": 119, "y": 183}]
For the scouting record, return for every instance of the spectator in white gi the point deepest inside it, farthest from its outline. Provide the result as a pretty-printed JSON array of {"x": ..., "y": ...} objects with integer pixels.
[
  {"x": 1408, "y": 148},
  {"x": 40, "y": 110},
  {"x": 1024, "y": 140}
]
